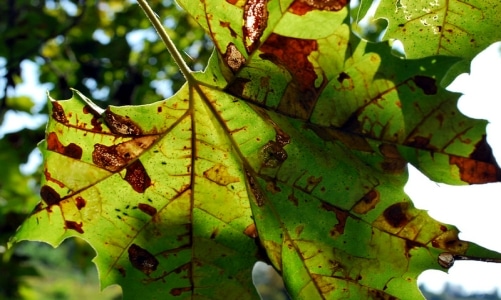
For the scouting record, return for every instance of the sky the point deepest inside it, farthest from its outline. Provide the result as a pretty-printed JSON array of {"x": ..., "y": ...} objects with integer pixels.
[{"x": 473, "y": 209}]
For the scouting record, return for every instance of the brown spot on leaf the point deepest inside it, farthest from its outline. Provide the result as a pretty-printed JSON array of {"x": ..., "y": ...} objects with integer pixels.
[
  {"x": 74, "y": 226},
  {"x": 272, "y": 155},
  {"x": 427, "y": 84},
  {"x": 142, "y": 260},
  {"x": 251, "y": 231},
  {"x": 474, "y": 171},
  {"x": 312, "y": 182},
  {"x": 122, "y": 125},
  {"x": 137, "y": 177},
  {"x": 108, "y": 157},
  {"x": 237, "y": 87},
  {"x": 367, "y": 203},
  {"x": 113, "y": 158},
  {"x": 49, "y": 195},
  {"x": 298, "y": 230},
  {"x": 341, "y": 217},
  {"x": 179, "y": 291},
  {"x": 72, "y": 150},
  {"x": 342, "y": 77},
  {"x": 396, "y": 215},
  {"x": 483, "y": 152},
  {"x": 380, "y": 295},
  {"x": 450, "y": 242},
  {"x": 214, "y": 233},
  {"x": 80, "y": 202},
  {"x": 147, "y": 209},
  {"x": 49, "y": 177},
  {"x": 228, "y": 25},
  {"x": 409, "y": 245},
  {"x": 256, "y": 191},
  {"x": 233, "y": 58},
  {"x": 255, "y": 21},
  {"x": 299, "y": 8},
  {"x": 122, "y": 271},
  {"x": 293, "y": 199},
  {"x": 393, "y": 162},
  {"x": 96, "y": 124},
  {"x": 291, "y": 53},
  {"x": 58, "y": 113},
  {"x": 420, "y": 142},
  {"x": 332, "y": 5}
]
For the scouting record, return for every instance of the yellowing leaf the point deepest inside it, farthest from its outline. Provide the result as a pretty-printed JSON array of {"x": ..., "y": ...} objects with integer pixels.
[{"x": 291, "y": 147}]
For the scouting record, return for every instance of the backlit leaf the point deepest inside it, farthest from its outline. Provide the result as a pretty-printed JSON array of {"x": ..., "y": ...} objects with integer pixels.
[{"x": 291, "y": 147}]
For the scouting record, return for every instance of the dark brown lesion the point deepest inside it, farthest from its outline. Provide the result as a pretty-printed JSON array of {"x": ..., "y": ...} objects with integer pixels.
[
  {"x": 137, "y": 177},
  {"x": 397, "y": 215},
  {"x": 147, "y": 209},
  {"x": 109, "y": 158},
  {"x": 301, "y": 93},
  {"x": 341, "y": 217},
  {"x": 273, "y": 153},
  {"x": 233, "y": 58},
  {"x": 256, "y": 191},
  {"x": 255, "y": 22},
  {"x": 142, "y": 260},
  {"x": 71, "y": 150},
  {"x": 427, "y": 84},
  {"x": 58, "y": 113},
  {"x": 367, "y": 203},
  {"x": 74, "y": 226},
  {"x": 50, "y": 196},
  {"x": 121, "y": 125}
]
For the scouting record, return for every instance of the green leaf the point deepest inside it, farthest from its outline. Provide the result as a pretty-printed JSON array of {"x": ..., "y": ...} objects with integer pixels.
[
  {"x": 294, "y": 141},
  {"x": 453, "y": 28}
]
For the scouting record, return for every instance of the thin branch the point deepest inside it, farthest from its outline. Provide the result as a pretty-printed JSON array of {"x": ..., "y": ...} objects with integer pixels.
[{"x": 185, "y": 70}]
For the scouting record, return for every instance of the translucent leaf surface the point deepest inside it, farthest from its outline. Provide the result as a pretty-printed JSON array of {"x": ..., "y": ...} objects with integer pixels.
[
  {"x": 291, "y": 148},
  {"x": 454, "y": 28}
]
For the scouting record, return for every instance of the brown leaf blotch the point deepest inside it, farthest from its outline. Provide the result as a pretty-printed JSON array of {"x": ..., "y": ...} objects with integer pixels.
[
  {"x": 272, "y": 155},
  {"x": 137, "y": 177},
  {"x": 396, "y": 215},
  {"x": 292, "y": 54},
  {"x": 179, "y": 291},
  {"x": 427, "y": 84},
  {"x": 108, "y": 157},
  {"x": 255, "y": 21},
  {"x": 331, "y": 5},
  {"x": 122, "y": 125},
  {"x": 72, "y": 150},
  {"x": 233, "y": 58},
  {"x": 474, "y": 171},
  {"x": 450, "y": 242},
  {"x": 251, "y": 231},
  {"x": 147, "y": 209},
  {"x": 256, "y": 191},
  {"x": 367, "y": 203},
  {"x": 483, "y": 152},
  {"x": 80, "y": 202},
  {"x": 142, "y": 260},
  {"x": 228, "y": 25},
  {"x": 341, "y": 217},
  {"x": 58, "y": 113},
  {"x": 74, "y": 226},
  {"x": 49, "y": 195}
]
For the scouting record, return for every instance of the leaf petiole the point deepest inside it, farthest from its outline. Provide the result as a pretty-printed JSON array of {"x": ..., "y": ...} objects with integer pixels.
[
  {"x": 155, "y": 21},
  {"x": 447, "y": 259}
]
